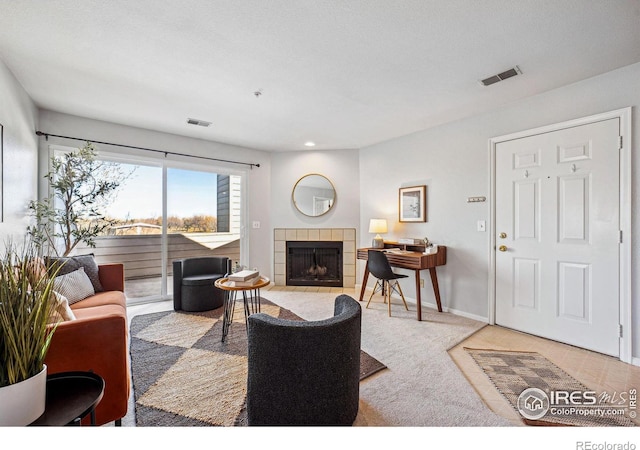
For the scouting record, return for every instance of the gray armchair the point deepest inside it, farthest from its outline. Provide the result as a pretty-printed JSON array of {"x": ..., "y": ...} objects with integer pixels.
[
  {"x": 305, "y": 373},
  {"x": 193, "y": 283}
]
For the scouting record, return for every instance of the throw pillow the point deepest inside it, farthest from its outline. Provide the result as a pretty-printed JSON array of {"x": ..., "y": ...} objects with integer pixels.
[
  {"x": 61, "y": 311},
  {"x": 70, "y": 264},
  {"x": 75, "y": 286}
]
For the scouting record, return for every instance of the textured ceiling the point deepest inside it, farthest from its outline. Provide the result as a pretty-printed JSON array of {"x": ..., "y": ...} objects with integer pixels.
[{"x": 341, "y": 73}]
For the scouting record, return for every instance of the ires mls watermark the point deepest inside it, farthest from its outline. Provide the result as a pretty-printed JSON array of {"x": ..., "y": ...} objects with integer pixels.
[{"x": 534, "y": 403}]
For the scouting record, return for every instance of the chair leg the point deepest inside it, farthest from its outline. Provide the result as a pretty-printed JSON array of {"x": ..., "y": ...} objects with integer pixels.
[
  {"x": 402, "y": 296},
  {"x": 396, "y": 286},
  {"x": 375, "y": 288},
  {"x": 388, "y": 296}
]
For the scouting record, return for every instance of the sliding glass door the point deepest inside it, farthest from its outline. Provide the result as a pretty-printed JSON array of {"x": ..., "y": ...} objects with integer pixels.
[
  {"x": 202, "y": 215},
  {"x": 136, "y": 237},
  {"x": 163, "y": 212}
]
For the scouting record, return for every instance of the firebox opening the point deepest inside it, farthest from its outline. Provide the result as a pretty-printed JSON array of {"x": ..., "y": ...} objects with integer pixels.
[{"x": 314, "y": 263}]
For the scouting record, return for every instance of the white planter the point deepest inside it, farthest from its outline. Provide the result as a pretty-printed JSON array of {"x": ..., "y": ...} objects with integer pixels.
[{"x": 24, "y": 402}]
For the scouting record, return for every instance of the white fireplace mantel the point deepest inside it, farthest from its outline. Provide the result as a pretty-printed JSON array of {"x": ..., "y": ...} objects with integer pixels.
[{"x": 345, "y": 235}]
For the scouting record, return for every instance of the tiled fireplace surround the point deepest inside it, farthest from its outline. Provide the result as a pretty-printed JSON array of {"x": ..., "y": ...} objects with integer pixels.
[{"x": 346, "y": 235}]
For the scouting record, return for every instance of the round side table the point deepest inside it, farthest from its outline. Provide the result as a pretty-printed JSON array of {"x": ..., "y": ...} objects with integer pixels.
[
  {"x": 250, "y": 298},
  {"x": 70, "y": 397}
]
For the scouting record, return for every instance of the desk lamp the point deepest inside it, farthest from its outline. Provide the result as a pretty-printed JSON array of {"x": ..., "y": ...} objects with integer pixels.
[{"x": 378, "y": 226}]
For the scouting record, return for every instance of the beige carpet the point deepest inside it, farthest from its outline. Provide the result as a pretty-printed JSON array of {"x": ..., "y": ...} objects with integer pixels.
[
  {"x": 183, "y": 375},
  {"x": 513, "y": 372}
]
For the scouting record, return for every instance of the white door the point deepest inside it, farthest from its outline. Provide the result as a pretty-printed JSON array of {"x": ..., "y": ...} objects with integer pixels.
[{"x": 558, "y": 232}]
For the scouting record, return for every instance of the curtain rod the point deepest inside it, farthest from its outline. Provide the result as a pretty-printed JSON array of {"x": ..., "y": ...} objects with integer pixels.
[{"x": 46, "y": 135}]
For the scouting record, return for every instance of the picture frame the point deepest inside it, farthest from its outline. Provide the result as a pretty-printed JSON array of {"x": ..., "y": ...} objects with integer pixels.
[{"x": 412, "y": 204}]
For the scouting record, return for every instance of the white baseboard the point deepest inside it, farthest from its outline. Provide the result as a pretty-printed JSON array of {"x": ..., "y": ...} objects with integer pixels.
[{"x": 433, "y": 306}]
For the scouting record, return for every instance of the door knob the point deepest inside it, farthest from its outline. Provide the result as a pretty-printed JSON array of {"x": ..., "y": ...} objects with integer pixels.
[{"x": 502, "y": 248}]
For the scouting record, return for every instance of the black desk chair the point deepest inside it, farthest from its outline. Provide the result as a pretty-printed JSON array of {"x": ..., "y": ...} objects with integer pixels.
[{"x": 387, "y": 280}]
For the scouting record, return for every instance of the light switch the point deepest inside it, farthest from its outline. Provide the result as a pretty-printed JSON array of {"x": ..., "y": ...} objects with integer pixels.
[{"x": 482, "y": 225}]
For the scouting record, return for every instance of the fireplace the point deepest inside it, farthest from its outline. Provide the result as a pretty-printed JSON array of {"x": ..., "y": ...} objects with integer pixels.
[
  {"x": 347, "y": 236},
  {"x": 314, "y": 263}
]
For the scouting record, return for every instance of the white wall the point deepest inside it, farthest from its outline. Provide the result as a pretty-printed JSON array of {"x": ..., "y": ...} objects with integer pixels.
[
  {"x": 339, "y": 166},
  {"x": 258, "y": 178},
  {"x": 453, "y": 161},
  {"x": 19, "y": 117}
]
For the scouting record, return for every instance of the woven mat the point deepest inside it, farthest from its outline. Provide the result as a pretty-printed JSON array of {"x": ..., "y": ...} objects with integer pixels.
[
  {"x": 184, "y": 376},
  {"x": 513, "y": 372}
]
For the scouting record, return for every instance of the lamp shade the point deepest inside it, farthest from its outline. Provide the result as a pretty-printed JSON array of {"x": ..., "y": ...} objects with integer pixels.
[{"x": 378, "y": 226}]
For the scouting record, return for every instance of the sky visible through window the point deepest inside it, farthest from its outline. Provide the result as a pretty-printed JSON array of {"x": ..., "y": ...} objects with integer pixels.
[{"x": 189, "y": 193}]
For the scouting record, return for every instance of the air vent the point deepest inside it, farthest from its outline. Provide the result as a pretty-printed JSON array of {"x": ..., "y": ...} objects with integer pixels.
[
  {"x": 501, "y": 76},
  {"x": 202, "y": 123}
]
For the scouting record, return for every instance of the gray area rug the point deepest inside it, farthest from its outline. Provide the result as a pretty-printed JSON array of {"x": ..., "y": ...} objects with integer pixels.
[{"x": 184, "y": 376}]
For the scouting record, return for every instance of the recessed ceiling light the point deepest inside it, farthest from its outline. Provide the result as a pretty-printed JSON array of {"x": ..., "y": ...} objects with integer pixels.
[{"x": 309, "y": 144}]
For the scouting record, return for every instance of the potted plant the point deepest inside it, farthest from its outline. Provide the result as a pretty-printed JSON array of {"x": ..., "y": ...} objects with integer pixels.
[
  {"x": 27, "y": 302},
  {"x": 80, "y": 187}
]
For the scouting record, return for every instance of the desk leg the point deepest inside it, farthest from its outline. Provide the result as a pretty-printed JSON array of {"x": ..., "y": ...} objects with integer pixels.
[
  {"x": 434, "y": 283},
  {"x": 418, "y": 295},
  {"x": 365, "y": 278}
]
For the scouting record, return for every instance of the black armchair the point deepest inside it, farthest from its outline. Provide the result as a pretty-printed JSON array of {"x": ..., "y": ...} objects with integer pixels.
[
  {"x": 305, "y": 373},
  {"x": 193, "y": 283}
]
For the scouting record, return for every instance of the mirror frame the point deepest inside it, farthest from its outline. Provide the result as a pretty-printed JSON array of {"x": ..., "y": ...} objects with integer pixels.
[{"x": 293, "y": 194}]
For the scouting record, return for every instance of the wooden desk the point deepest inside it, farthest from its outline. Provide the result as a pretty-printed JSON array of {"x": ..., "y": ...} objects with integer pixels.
[{"x": 413, "y": 260}]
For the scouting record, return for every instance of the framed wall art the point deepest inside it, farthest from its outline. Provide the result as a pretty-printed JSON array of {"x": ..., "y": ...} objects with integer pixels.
[{"x": 413, "y": 204}]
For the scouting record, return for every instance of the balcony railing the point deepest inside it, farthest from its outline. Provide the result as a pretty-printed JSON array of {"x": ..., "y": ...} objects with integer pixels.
[{"x": 142, "y": 257}]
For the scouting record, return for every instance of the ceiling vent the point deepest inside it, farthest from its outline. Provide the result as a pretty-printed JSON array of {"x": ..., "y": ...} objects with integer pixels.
[
  {"x": 501, "y": 76},
  {"x": 202, "y": 123}
]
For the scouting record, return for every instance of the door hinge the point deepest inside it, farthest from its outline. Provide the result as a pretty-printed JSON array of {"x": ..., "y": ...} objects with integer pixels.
[
  {"x": 619, "y": 142},
  {"x": 620, "y": 330},
  {"x": 620, "y": 237}
]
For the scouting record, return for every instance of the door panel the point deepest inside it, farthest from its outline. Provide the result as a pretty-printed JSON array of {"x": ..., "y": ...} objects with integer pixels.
[
  {"x": 557, "y": 204},
  {"x": 573, "y": 210},
  {"x": 526, "y": 283},
  {"x": 527, "y": 209},
  {"x": 574, "y": 300}
]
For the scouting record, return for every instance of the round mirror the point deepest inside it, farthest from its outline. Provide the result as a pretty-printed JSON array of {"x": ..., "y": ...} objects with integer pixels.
[{"x": 314, "y": 195}]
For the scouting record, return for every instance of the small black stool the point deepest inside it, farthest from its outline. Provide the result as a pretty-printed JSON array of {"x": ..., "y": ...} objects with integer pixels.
[
  {"x": 194, "y": 280},
  {"x": 200, "y": 294}
]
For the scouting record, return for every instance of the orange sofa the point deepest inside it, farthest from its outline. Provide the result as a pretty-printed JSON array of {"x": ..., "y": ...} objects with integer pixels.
[{"x": 98, "y": 341}]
